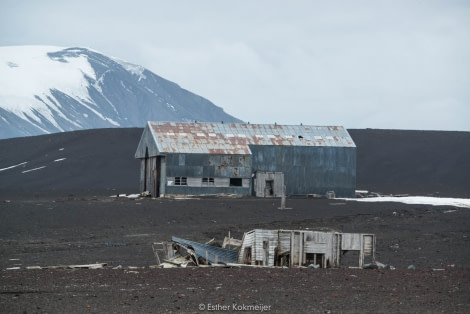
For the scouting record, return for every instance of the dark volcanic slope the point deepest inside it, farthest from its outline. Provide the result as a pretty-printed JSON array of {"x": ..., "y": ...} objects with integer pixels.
[
  {"x": 96, "y": 161},
  {"x": 418, "y": 162},
  {"x": 101, "y": 161}
]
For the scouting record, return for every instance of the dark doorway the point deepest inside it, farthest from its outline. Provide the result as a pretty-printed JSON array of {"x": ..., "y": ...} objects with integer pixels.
[
  {"x": 269, "y": 188},
  {"x": 247, "y": 255},
  {"x": 350, "y": 258},
  {"x": 146, "y": 161},
  {"x": 158, "y": 176}
]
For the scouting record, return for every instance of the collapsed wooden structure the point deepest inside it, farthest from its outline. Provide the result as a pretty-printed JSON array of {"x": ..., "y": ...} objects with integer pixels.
[{"x": 282, "y": 248}]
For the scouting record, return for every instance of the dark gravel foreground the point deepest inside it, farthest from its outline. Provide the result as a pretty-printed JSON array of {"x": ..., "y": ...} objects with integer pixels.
[
  {"x": 62, "y": 214},
  {"x": 197, "y": 290},
  {"x": 119, "y": 232}
]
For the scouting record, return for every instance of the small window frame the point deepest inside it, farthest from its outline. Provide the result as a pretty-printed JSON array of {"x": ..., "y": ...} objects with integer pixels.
[{"x": 181, "y": 181}]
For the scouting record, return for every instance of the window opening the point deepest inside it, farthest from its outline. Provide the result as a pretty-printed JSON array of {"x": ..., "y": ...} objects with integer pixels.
[
  {"x": 181, "y": 181},
  {"x": 236, "y": 182},
  {"x": 208, "y": 181},
  {"x": 315, "y": 259}
]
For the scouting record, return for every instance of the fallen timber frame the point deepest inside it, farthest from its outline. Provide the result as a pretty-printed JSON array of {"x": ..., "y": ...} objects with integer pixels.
[{"x": 272, "y": 248}]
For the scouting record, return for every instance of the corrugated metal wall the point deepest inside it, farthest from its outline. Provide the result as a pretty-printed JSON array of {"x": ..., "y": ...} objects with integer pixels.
[
  {"x": 309, "y": 170},
  {"x": 209, "y": 174},
  {"x": 147, "y": 144},
  {"x": 247, "y": 244}
]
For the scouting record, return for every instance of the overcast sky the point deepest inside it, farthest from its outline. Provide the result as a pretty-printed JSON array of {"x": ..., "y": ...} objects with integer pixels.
[{"x": 360, "y": 64}]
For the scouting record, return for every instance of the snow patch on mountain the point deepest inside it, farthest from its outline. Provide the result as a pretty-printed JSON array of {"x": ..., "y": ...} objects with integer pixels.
[
  {"x": 47, "y": 89},
  {"x": 28, "y": 73},
  {"x": 132, "y": 68},
  {"x": 35, "y": 72}
]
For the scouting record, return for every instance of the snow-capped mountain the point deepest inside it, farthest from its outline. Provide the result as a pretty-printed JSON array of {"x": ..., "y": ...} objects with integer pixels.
[{"x": 45, "y": 89}]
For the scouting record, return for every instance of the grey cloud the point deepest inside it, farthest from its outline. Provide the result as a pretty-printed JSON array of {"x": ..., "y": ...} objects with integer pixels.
[{"x": 383, "y": 64}]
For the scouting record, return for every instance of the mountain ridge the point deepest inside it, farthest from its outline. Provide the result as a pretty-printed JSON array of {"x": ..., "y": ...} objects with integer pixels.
[{"x": 49, "y": 89}]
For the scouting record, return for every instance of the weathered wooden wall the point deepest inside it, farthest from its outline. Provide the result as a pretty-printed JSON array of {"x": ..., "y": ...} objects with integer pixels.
[{"x": 301, "y": 245}]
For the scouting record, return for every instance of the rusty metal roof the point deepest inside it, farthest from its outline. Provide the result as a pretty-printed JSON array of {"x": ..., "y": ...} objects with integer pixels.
[
  {"x": 214, "y": 254},
  {"x": 235, "y": 138}
]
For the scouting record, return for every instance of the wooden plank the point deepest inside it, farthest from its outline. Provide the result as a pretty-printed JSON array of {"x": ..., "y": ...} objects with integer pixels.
[
  {"x": 222, "y": 182},
  {"x": 368, "y": 244},
  {"x": 231, "y": 242},
  {"x": 196, "y": 182},
  {"x": 351, "y": 241},
  {"x": 313, "y": 247},
  {"x": 88, "y": 266}
]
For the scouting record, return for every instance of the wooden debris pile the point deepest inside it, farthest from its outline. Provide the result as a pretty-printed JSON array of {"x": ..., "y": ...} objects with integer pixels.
[{"x": 272, "y": 248}]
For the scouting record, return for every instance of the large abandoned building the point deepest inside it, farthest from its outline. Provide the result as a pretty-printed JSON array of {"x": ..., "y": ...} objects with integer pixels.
[{"x": 264, "y": 160}]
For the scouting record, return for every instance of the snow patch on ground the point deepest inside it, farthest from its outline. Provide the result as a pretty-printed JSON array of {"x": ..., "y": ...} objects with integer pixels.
[
  {"x": 425, "y": 200},
  {"x": 38, "y": 168},
  {"x": 14, "y": 166},
  {"x": 131, "y": 196}
]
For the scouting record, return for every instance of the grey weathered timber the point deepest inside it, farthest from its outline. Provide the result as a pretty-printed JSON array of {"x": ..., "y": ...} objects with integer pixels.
[{"x": 297, "y": 248}]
